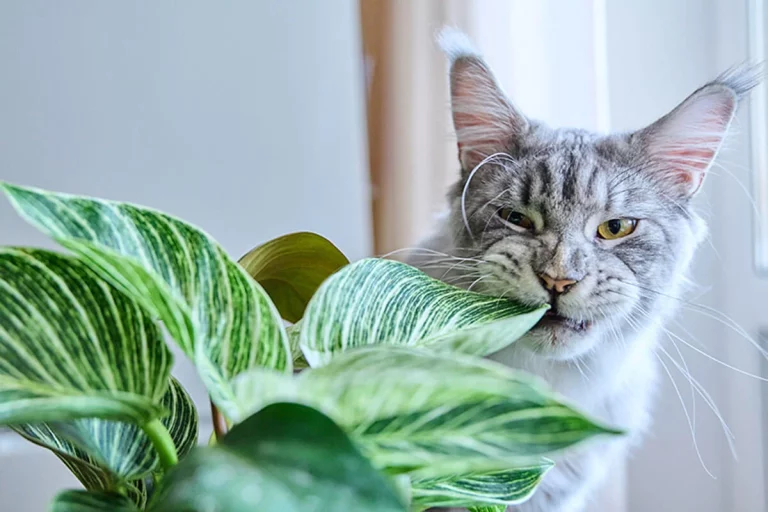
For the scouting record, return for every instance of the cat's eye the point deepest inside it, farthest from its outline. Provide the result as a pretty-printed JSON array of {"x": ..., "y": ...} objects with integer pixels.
[
  {"x": 616, "y": 228},
  {"x": 516, "y": 218}
]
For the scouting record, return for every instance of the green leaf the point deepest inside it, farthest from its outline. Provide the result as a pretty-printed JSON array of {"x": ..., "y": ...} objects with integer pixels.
[
  {"x": 286, "y": 458},
  {"x": 488, "y": 508},
  {"x": 85, "y": 501},
  {"x": 109, "y": 455},
  {"x": 294, "y": 332},
  {"x": 429, "y": 414},
  {"x": 72, "y": 346},
  {"x": 220, "y": 316},
  {"x": 500, "y": 488},
  {"x": 291, "y": 268},
  {"x": 377, "y": 301}
]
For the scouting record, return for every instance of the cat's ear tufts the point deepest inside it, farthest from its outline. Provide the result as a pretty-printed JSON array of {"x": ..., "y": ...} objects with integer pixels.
[
  {"x": 682, "y": 145},
  {"x": 485, "y": 121}
]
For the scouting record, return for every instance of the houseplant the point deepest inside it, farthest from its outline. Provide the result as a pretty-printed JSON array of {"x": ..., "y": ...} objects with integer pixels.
[{"x": 395, "y": 410}]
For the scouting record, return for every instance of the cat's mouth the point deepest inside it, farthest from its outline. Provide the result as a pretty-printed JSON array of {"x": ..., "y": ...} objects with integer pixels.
[{"x": 553, "y": 319}]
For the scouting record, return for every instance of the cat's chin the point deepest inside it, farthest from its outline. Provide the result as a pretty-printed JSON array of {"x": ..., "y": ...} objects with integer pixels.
[{"x": 560, "y": 338}]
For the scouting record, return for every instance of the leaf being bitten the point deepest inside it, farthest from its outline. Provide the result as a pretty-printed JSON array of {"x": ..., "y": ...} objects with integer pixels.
[
  {"x": 380, "y": 302},
  {"x": 220, "y": 317},
  {"x": 72, "y": 346}
]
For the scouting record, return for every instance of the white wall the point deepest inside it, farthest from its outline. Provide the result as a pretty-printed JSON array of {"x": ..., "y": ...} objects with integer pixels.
[{"x": 245, "y": 118}]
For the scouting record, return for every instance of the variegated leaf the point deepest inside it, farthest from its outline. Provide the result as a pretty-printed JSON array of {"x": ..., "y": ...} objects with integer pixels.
[
  {"x": 488, "y": 508},
  {"x": 220, "y": 316},
  {"x": 72, "y": 346},
  {"x": 429, "y": 414},
  {"x": 376, "y": 301},
  {"x": 90, "y": 471},
  {"x": 286, "y": 458},
  {"x": 291, "y": 268},
  {"x": 108, "y": 455},
  {"x": 499, "y": 488},
  {"x": 86, "y": 501}
]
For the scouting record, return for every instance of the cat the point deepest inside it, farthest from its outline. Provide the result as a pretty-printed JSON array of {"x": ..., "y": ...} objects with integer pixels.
[{"x": 600, "y": 227}]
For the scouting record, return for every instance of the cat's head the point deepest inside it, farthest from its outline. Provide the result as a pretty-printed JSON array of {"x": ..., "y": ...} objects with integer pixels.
[{"x": 600, "y": 227}]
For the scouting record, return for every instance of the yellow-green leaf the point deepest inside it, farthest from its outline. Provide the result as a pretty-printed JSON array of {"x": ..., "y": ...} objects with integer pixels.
[{"x": 291, "y": 268}]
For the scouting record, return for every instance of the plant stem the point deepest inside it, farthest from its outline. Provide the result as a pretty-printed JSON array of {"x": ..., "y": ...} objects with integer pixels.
[
  {"x": 219, "y": 423},
  {"x": 162, "y": 442}
]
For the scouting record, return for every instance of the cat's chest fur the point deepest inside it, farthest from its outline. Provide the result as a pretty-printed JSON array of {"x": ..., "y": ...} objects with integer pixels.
[{"x": 614, "y": 384}]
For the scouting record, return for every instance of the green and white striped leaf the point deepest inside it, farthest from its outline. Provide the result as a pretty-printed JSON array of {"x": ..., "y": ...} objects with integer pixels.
[
  {"x": 286, "y": 458},
  {"x": 219, "y": 316},
  {"x": 500, "y": 488},
  {"x": 72, "y": 346},
  {"x": 291, "y": 268},
  {"x": 108, "y": 455},
  {"x": 488, "y": 508},
  {"x": 429, "y": 414},
  {"x": 376, "y": 301},
  {"x": 86, "y": 501},
  {"x": 121, "y": 450}
]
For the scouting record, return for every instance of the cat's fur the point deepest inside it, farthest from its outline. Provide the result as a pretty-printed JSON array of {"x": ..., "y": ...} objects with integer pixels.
[{"x": 568, "y": 182}]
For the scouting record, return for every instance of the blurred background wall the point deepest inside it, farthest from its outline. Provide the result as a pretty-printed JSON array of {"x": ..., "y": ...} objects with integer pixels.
[{"x": 249, "y": 119}]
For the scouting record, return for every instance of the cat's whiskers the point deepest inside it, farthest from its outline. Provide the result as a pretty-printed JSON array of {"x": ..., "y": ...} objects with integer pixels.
[
  {"x": 476, "y": 281},
  {"x": 707, "y": 311},
  {"x": 688, "y": 371},
  {"x": 704, "y": 394},
  {"x": 692, "y": 417},
  {"x": 431, "y": 252},
  {"x": 488, "y": 159},
  {"x": 695, "y": 384},
  {"x": 691, "y": 423}
]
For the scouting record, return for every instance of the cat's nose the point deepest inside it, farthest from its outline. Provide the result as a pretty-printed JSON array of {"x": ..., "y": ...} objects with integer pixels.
[{"x": 558, "y": 285}]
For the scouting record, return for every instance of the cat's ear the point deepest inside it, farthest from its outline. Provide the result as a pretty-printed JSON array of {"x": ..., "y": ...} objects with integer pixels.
[
  {"x": 485, "y": 121},
  {"x": 682, "y": 145}
]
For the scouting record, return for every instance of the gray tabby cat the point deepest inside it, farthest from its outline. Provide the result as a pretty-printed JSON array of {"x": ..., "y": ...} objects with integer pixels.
[{"x": 599, "y": 227}]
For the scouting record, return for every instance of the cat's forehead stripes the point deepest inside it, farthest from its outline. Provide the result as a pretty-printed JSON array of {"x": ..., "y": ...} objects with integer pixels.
[{"x": 569, "y": 181}]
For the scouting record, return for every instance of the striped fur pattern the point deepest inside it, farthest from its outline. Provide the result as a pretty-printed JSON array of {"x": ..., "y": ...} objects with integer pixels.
[{"x": 568, "y": 182}]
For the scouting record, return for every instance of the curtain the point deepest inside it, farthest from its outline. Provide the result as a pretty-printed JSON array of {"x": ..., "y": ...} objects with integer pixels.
[{"x": 412, "y": 157}]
